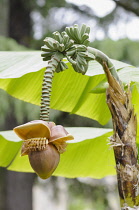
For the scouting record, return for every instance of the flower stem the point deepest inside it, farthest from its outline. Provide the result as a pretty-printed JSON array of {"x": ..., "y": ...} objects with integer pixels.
[
  {"x": 47, "y": 86},
  {"x": 100, "y": 57}
]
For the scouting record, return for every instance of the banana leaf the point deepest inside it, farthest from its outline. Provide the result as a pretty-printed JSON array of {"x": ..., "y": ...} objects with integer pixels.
[{"x": 21, "y": 75}]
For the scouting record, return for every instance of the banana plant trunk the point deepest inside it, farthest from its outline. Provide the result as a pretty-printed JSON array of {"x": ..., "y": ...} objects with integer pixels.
[{"x": 123, "y": 142}]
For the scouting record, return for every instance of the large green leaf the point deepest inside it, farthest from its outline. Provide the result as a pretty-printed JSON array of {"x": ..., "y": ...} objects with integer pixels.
[
  {"x": 9, "y": 147},
  {"x": 21, "y": 75},
  {"x": 17, "y": 64},
  {"x": 88, "y": 155}
]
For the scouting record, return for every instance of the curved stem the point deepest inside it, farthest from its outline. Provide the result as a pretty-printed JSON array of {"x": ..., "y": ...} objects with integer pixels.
[
  {"x": 101, "y": 58},
  {"x": 124, "y": 137},
  {"x": 47, "y": 84}
]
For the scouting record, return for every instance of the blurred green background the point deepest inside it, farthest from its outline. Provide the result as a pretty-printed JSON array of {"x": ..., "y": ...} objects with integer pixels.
[{"x": 24, "y": 24}]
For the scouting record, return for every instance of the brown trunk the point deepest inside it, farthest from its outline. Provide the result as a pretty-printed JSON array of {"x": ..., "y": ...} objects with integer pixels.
[
  {"x": 123, "y": 142},
  {"x": 20, "y": 21},
  {"x": 4, "y": 5},
  {"x": 19, "y": 190},
  {"x": 2, "y": 188}
]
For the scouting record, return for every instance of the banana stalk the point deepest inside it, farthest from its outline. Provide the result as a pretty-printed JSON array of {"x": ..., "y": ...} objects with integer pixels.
[
  {"x": 53, "y": 65},
  {"x": 123, "y": 142}
]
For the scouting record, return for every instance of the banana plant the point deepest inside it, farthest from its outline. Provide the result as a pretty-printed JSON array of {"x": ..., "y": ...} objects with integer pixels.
[{"x": 73, "y": 44}]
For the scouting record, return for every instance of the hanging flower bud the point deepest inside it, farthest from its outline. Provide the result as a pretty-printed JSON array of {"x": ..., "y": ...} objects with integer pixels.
[{"x": 43, "y": 142}]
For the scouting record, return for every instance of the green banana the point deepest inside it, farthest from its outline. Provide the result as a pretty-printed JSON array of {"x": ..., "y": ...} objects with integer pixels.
[
  {"x": 85, "y": 70},
  {"x": 71, "y": 52},
  {"x": 63, "y": 33},
  {"x": 63, "y": 66},
  {"x": 49, "y": 39},
  {"x": 87, "y": 55},
  {"x": 46, "y": 54},
  {"x": 70, "y": 32},
  {"x": 56, "y": 45},
  {"x": 69, "y": 44},
  {"x": 80, "y": 67},
  {"x": 75, "y": 68},
  {"x": 77, "y": 33},
  {"x": 86, "y": 42},
  {"x": 84, "y": 37},
  {"x": 49, "y": 43},
  {"x": 67, "y": 29},
  {"x": 71, "y": 60},
  {"x": 91, "y": 56},
  {"x": 65, "y": 39},
  {"x": 58, "y": 36},
  {"x": 81, "y": 48},
  {"x": 83, "y": 29},
  {"x": 46, "y": 59},
  {"x": 61, "y": 47},
  {"x": 58, "y": 69},
  {"x": 87, "y": 30},
  {"x": 81, "y": 60},
  {"x": 66, "y": 67},
  {"x": 73, "y": 34},
  {"x": 46, "y": 49}
]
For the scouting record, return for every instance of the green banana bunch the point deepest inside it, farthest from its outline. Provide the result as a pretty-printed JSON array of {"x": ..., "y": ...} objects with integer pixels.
[
  {"x": 61, "y": 67},
  {"x": 79, "y": 57},
  {"x": 60, "y": 43},
  {"x": 71, "y": 43},
  {"x": 80, "y": 64},
  {"x": 79, "y": 35}
]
